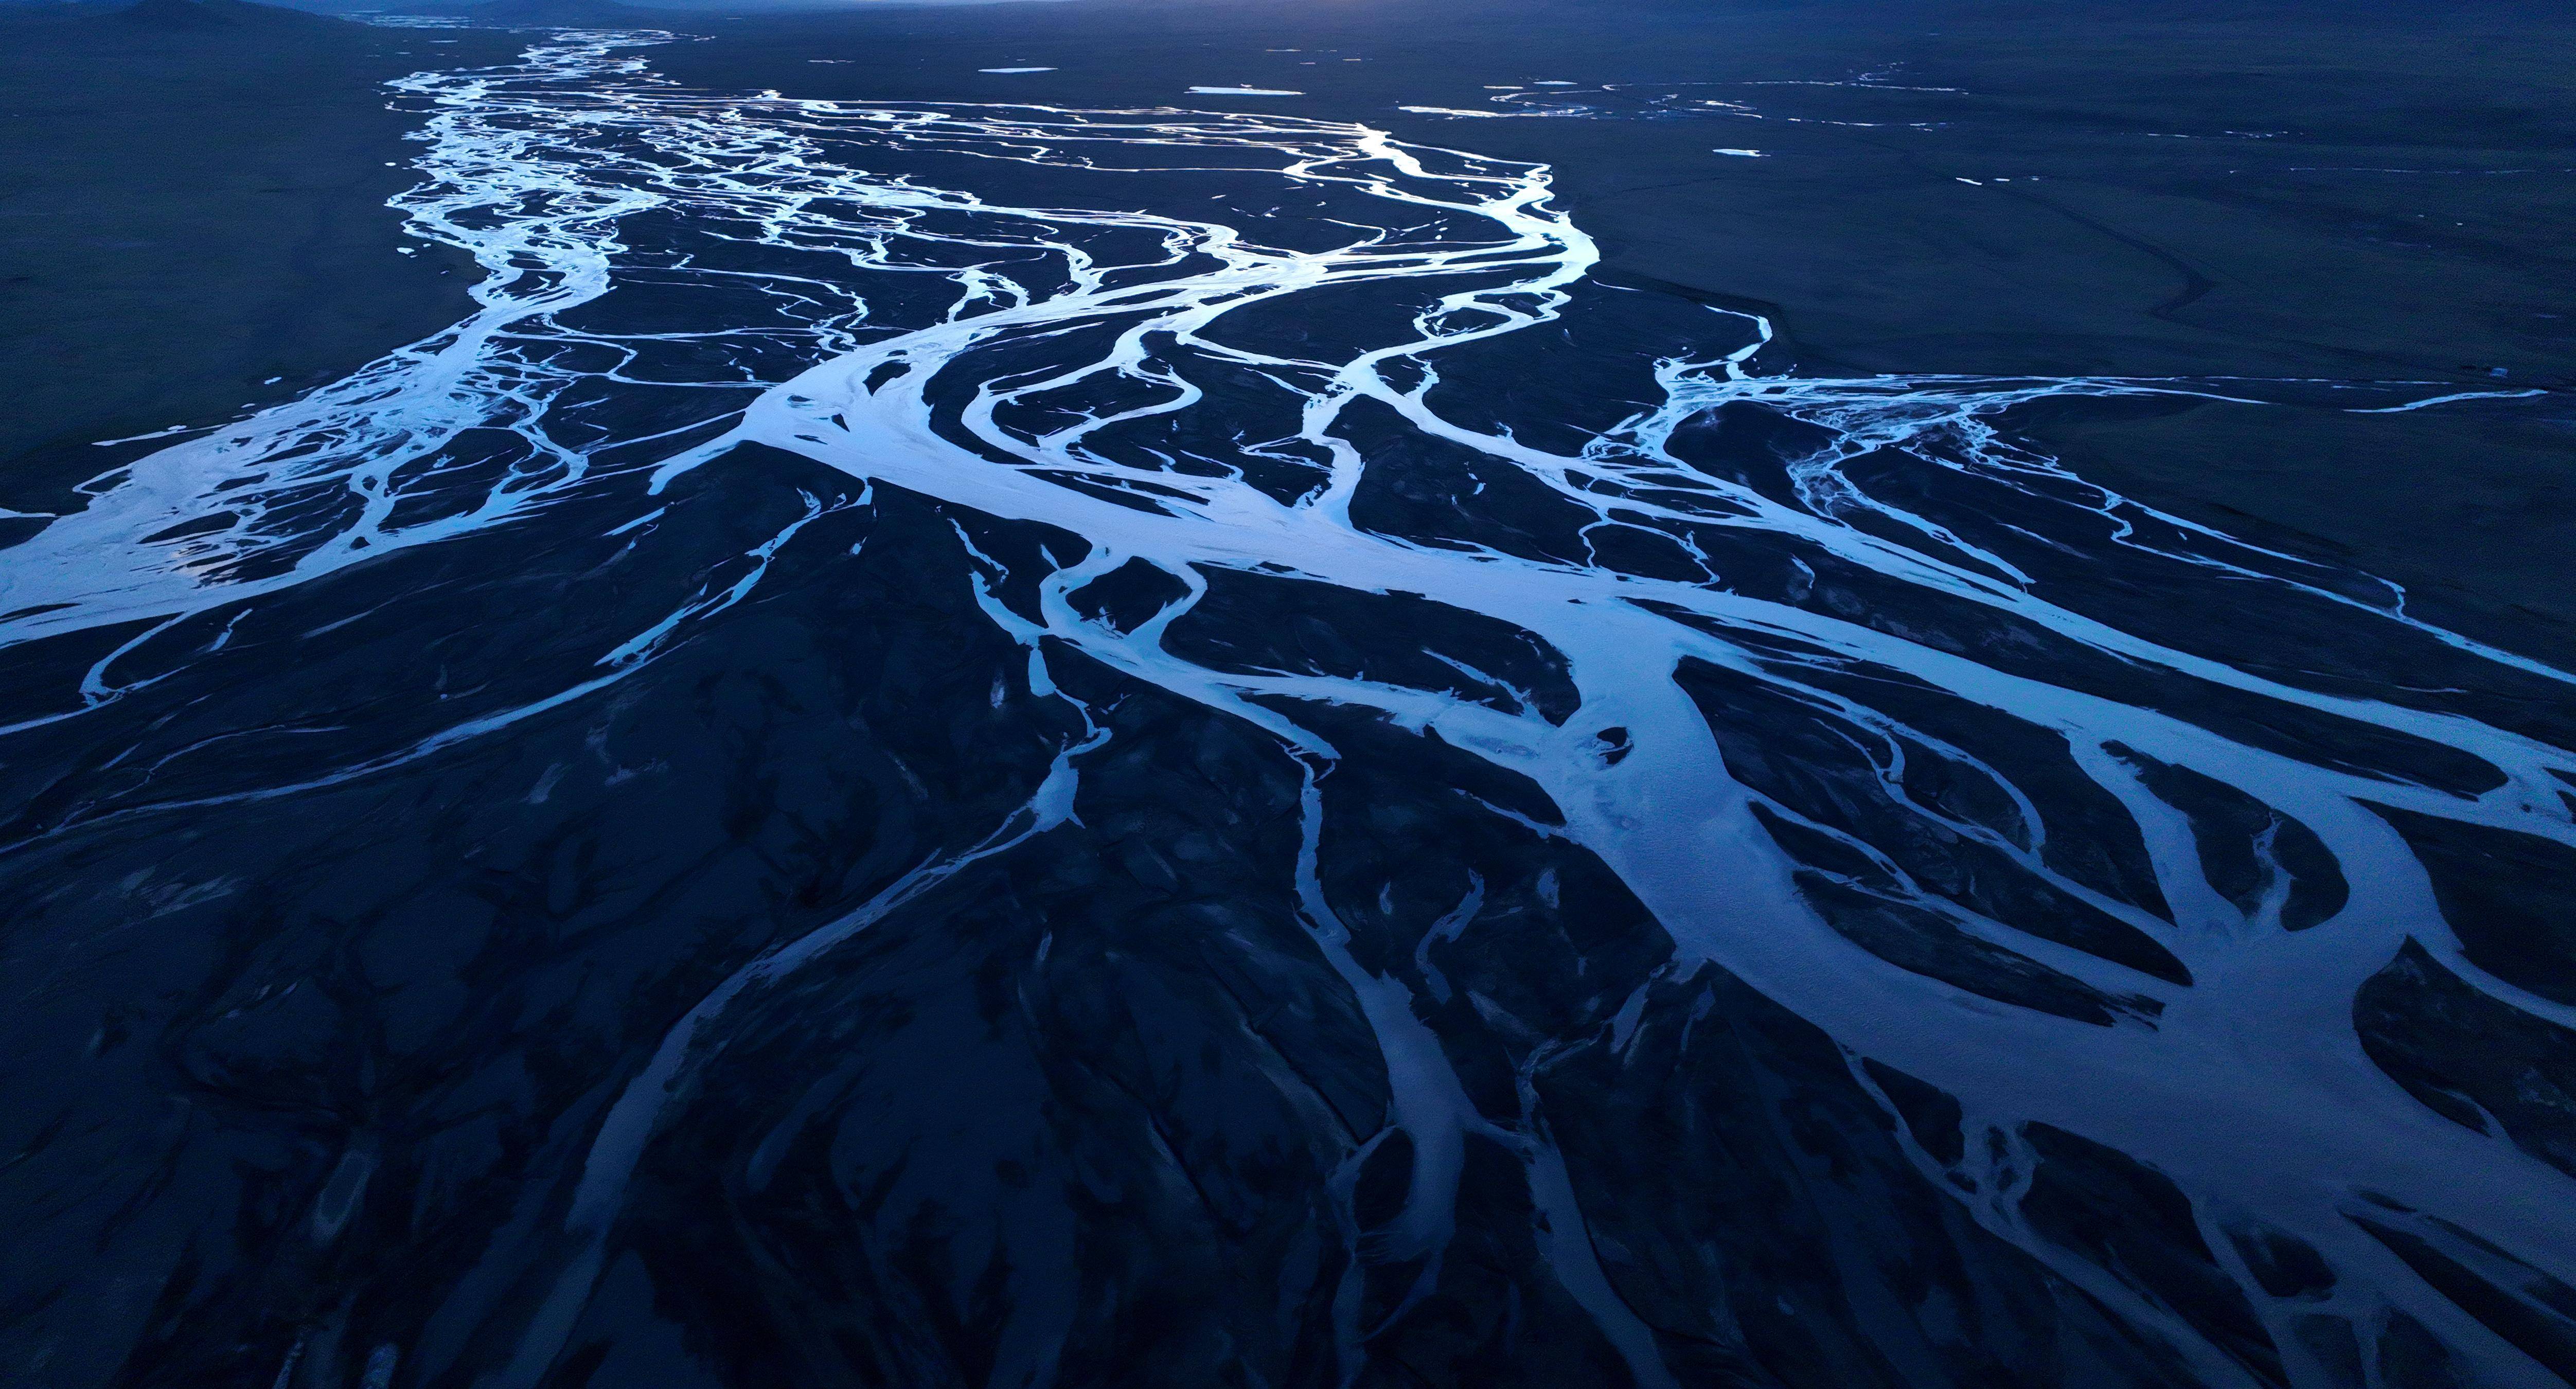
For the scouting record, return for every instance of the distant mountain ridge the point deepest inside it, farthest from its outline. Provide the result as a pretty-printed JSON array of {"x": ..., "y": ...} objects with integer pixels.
[
  {"x": 188, "y": 16},
  {"x": 202, "y": 16}
]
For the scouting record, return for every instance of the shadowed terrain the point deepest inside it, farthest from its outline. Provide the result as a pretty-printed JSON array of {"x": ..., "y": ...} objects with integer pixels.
[{"x": 1088, "y": 694}]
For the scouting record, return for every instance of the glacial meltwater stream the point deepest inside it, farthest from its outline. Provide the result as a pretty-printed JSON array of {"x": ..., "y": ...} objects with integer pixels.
[{"x": 2095, "y": 821}]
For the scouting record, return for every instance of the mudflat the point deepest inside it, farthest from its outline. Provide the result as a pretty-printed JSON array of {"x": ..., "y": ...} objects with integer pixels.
[
  {"x": 1118, "y": 695},
  {"x": 2374, "y": 192},
  {"x": 196, "y": 217},
  {"x": 193, "y": 218}
]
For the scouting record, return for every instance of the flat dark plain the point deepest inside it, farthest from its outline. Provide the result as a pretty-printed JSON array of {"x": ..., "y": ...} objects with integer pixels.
[{"x": 2363, "y": 193}]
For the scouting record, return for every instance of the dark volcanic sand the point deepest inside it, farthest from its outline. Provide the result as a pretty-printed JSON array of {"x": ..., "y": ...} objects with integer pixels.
[
  {"x": 702, "y": 934},
  {"x": 2403, "y": 214},
  {"x": 188, "y": 212},
  {"x": 2433, "y": 162}
]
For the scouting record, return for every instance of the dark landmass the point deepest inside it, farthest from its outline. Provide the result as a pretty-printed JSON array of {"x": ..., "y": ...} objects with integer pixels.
[
  {"x": 192, "y": 202},
  {"x": 300, "y": 1084},
  {"x": 199, "y": 16},
  {"x": 2272, "y": 189},
  {"x": 2194, "y": 191}
]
